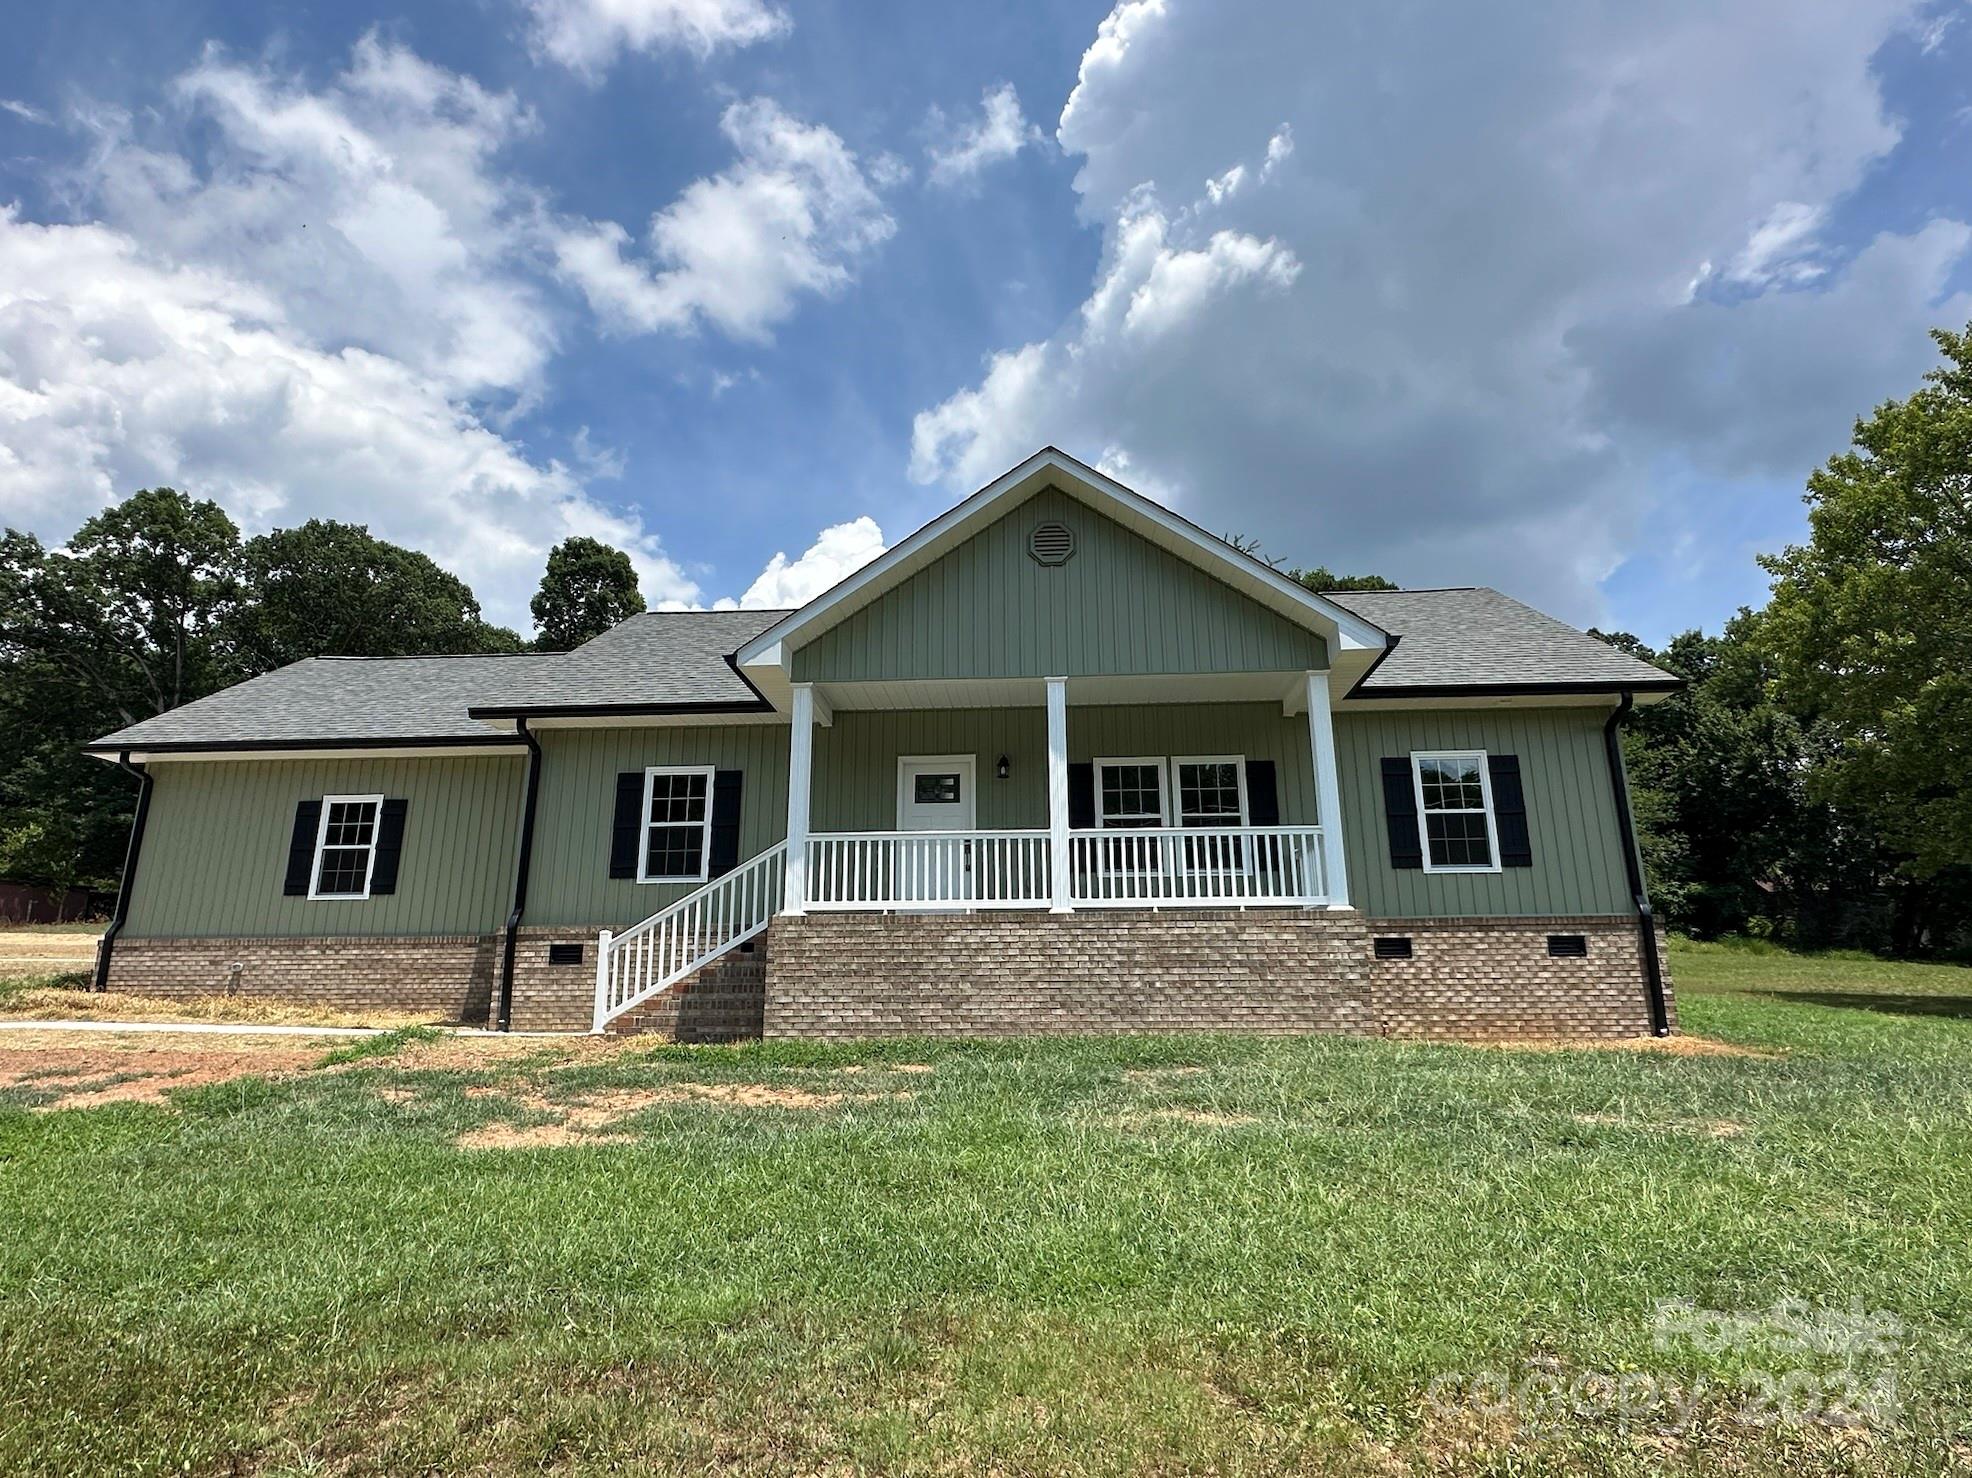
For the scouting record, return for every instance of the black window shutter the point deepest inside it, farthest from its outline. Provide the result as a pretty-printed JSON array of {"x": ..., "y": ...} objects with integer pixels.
[
  {"x": 724, "y": 856},
  {"x": 627, "y": 829},
  {"x": 1082, "y": 796},
  {"x": 390, "y": 842},
  {"x": 1510, "y": 810},
  {"x": 1262, "y": 794},
  {"x": 1400, "y": 812},
  {"x": 301, "y": 847}
]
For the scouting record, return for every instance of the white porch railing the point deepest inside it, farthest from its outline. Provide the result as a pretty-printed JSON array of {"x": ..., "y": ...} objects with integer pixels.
[
  {"x": 1178, "y": 866},
  {"x": 1150, "y": 868},
  {"x": 927, "y": 869},
  {"x": 635, "y": 965}
]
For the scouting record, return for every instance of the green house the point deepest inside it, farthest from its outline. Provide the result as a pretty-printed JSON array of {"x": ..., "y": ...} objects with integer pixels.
[{"x": 1059, "y": 761}]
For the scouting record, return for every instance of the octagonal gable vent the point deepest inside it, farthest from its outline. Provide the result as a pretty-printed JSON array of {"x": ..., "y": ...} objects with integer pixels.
[{"x": 1051, "y": 543}]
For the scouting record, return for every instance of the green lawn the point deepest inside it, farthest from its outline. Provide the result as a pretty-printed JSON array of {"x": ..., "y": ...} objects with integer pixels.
[{"x": 1109, "y": 1256}]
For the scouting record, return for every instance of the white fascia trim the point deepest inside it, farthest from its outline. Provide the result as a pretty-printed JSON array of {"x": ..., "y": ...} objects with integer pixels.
[{"x": 768, "y": 648}]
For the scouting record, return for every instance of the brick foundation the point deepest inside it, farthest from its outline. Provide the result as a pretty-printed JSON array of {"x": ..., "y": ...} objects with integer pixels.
[
  {"x": 721, "y": 1003},
  {"x": 451, "y": 977},
  {"x": 1261, "y": 971},
  {"x": 986, "y": 974},
  {"x": 1478, "y": 979},
  {"x": 1019, "y": 974}
]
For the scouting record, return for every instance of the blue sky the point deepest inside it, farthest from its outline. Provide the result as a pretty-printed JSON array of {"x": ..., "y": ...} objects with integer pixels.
[{"x": 1565, "y": 298}]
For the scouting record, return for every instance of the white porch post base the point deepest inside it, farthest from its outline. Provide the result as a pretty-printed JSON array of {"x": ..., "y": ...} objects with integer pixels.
[
  {"x": 1058, "y": 853},
  {"x": 800, "y": 764},
  {"x": 1328, "y": 790}
]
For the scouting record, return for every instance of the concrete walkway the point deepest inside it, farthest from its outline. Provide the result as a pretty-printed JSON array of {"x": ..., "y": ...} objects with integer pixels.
[{"x": 250, "y": 1029}]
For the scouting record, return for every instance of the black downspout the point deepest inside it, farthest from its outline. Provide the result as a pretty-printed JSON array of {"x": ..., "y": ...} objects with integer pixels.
[
  {"x": 1619, "y": 787},
  {"x": 130, "y": 857},
  {"x": 504, "y": 1021}
]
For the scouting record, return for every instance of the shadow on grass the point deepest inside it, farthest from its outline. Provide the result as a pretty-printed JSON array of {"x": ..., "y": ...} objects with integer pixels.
[{"x": 1885, "y": 1002}]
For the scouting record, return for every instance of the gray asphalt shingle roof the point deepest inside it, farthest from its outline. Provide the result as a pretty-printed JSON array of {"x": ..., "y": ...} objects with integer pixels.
[
  {"x": 1448, "y": 638},
  {"x": 662, "y": 657},
  {"x": 1476, "y": 637},
  {"x": 342, "y": 700}
]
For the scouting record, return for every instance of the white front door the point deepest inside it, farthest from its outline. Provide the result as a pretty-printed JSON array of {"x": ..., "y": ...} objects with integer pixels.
[{"x": 935, "y": 794}]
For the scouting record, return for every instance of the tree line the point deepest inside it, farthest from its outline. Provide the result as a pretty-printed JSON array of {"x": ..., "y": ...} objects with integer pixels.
[
  {"x": 159, "y": 600},
  {"x": 1812, "y": 783}
]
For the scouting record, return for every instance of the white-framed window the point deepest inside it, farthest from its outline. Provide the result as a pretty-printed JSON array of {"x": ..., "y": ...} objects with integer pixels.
[
  {"x": 1455, "y": 826},
  {"x": 1210, "y": 789},
  {"x": 345, "y": 847},
  {"x": 677, "y": 824},
  {"x": 1130, "y": 793}
]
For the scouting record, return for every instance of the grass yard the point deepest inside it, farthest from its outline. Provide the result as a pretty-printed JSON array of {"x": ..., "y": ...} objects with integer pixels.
[{"x": 1105, "y": 1256}]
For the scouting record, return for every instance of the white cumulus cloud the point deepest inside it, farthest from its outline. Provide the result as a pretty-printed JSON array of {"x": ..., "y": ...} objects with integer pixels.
[
  {"x": 587, "y": 35},
  {"x": 324, "y": 310},
  {"x": 999, "y": 132},
  {"x": 1458, "y": 339},
  {"x": 794, "y": 213},
  {"x": 839, "y": 551}
]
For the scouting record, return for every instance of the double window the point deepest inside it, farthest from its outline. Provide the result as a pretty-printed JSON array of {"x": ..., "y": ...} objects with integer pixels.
[
  {"x": 677, "y": 824},
  {"x": 1190, "y": 791},
  {"x": 345, "y": 847},
  {"x": 1456, "y": 827}
]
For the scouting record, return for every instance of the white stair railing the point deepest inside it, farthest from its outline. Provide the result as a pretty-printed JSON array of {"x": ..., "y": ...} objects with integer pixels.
[{"x": 690, "y": 934}]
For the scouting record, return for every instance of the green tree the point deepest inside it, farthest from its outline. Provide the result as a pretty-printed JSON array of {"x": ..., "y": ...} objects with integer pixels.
[
  {"x": 334, "y": 589},
  {"x": 121, "y": 624},
  {"x": 1320, "y": 578},
  {"x": 1870, "y": 628},
  {"x": 587, "y": 589}
]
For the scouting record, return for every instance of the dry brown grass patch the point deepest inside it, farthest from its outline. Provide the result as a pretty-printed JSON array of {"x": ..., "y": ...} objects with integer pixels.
[
  {"x": 89, "y": 1072},
  {"x": 588, "y": 1117},
  {"x": 1677, "y": 1046},
  {"x": 1703, "y": 1128},
  {"x": 1197, "y": 1118},
  {"x": 52, "y": 1003}
]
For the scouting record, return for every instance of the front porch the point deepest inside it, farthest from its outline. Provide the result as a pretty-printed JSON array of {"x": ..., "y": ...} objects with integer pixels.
[{"x": 1078, "y": 798}]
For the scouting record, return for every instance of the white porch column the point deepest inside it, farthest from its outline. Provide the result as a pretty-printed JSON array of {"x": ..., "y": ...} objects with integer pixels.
[
  {"x": 1328, "y": 789},
  {"x": 1058, "y": 863},
  {"x": 800, "y": 758}
]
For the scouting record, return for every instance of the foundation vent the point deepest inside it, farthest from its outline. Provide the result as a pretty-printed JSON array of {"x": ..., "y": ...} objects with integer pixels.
[
  {"x": 564, "y": 954},
  {"x": 1568, "y": 946},
  {"x": 1392, "y": 947},
  {"x": 1051, "y": 543}
]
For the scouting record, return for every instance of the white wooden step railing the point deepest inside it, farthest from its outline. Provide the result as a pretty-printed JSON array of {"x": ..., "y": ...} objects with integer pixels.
[
  {"x": 1231, "y": 866},
  {"x": 635, "y": 965}
]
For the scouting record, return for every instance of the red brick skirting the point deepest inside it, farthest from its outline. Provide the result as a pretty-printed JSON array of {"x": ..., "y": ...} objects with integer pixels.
[
  {"x": 1478, "y": 979},
  {"x": 449, "y": 976},
  {"x": 1258, "y": 971},
  {"x": 986, "y": 974},
  {"x": 1018, "y": 974}
]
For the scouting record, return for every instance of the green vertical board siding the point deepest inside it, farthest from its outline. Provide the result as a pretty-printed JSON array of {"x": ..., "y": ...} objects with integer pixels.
[
  {"x": 571, "y": 882},
  {"x": 855, "y": 779},
  {"x": 216, "y": 849},
  {"x": 1571, "y": 819},
  {"x": 1122, "y": 605}
]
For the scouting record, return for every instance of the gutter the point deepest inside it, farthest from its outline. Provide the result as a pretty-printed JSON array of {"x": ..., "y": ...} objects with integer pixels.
[
  {"x": 130, "y": 859},
  {"x": 504, "y": 1020},
  {"x": 1619, "y": 790}
]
